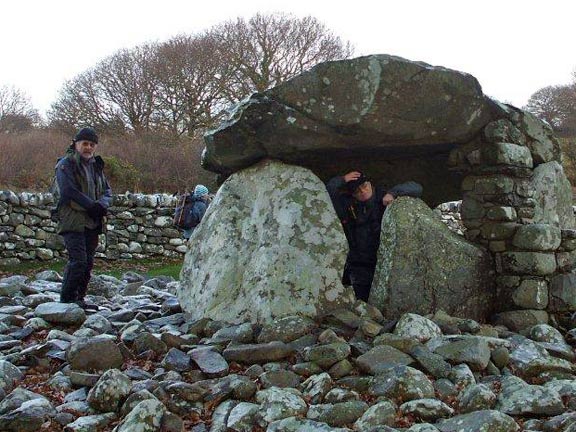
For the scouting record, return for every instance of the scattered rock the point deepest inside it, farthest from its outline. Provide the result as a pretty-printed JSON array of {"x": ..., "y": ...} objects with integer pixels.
[{"x": 302, "y": 375}]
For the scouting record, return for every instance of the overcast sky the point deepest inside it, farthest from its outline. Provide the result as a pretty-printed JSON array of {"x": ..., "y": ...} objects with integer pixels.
[{"x": 512, "y": 47}]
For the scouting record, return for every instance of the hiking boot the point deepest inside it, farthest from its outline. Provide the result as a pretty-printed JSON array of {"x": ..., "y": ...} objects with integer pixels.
[{"x": 86, "y": 306}]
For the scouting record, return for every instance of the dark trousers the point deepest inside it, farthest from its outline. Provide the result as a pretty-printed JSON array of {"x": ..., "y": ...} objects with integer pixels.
[
  {"x": 81, "y": 247},
  {"x": 361, "y": 279}
]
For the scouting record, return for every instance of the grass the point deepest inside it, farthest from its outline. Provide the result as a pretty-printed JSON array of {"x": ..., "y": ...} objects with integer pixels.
[
  {"x": 30, "y": 268},
  {"x": 150, "y": 267}
]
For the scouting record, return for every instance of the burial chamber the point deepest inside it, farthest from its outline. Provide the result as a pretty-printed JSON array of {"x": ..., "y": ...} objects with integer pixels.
[{"x": 401, "y": 120}]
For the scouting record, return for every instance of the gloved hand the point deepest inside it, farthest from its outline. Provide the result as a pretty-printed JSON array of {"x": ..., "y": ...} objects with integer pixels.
[{"x": 97, "y": 211}]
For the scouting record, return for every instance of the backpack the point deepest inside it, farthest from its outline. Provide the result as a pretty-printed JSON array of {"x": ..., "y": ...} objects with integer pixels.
[{"x": 183, "y": 217}]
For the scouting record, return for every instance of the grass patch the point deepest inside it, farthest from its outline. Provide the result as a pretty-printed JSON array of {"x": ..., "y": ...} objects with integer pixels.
[
  {"x": 150, "y": 267},
  {"x": 167, "y": 270},
  {"x": 30, "y": 268}
]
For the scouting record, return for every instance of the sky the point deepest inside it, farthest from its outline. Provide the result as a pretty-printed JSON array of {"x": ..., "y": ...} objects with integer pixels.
[{"x": 512, "y": 47}]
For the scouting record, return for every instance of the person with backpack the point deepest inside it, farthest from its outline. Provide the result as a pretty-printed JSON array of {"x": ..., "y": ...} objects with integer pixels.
[
  {"x": 191, "y": 209},
  {"x": 84, "y": 198},
  {"x": 360, "y": 207}
]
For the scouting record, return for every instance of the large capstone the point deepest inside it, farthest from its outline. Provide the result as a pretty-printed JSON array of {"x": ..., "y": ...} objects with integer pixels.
[
  {"x": 424, "y": 267},
  {"x": 396, "y": 118},
  {"x": 270, "y": 245}
]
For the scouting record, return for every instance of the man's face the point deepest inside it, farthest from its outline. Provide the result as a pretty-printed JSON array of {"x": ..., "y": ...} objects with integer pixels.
[
  {"x": 86, "y": 149},
  {"x": 363, "y": 192}
]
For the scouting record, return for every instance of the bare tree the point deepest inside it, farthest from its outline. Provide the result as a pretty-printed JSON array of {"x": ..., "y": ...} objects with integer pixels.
[
  {"x": 126, "y": 83},
  {"x": 191, "y": 81},
  {"x": 80, "y": 103},
  {"x": 181, "y": 86},
  {"x": 117, "y": 94},
  {"x": 16, "y": 110},
  {"x": 549, "y": 104},
  {"x": 269, "y": 49},
  {"x": 556, "y": 105}
]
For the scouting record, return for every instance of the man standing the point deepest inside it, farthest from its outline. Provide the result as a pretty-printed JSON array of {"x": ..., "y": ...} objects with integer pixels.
[
  {"x": 360, "y": 207},
  {"x": 85, "y": 196}
]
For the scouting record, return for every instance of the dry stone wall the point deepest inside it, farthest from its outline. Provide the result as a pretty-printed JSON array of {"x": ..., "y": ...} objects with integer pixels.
[
  {"x": 517, "y": 202},
  {"x": 449, "y": 213},
  {"x": 138, "y": 226}
]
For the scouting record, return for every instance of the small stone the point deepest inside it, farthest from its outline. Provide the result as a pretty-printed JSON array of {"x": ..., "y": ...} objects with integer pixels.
[
  {"x": 329, "y": 354},
  {"x": 416, "y": 327},
  {"x": 501, "y": 357},
  {"x": 281, "y": 378},
  {"x": 382, "y": 357},
  {"x": 426, "y": 409},
  {"x": 381, "y": 413},
  {"x": 402, "y": 382}
]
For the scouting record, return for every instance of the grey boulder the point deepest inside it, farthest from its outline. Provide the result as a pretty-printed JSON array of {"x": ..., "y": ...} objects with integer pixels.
[
  {"x": 423, "y": 266},
  {"x": 266, "y": 249}
]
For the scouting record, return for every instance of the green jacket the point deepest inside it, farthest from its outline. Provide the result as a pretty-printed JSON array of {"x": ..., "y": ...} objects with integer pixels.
[{"x": 75, "y": 197}]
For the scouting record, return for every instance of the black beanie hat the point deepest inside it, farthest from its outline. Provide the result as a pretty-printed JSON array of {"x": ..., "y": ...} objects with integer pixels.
[
  {"x": 86, "y": 134},
  {"x": 352, "y": 185}
]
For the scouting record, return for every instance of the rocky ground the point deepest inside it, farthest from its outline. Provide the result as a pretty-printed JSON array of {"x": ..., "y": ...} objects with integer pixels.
[{"x": 137, "y": 364}]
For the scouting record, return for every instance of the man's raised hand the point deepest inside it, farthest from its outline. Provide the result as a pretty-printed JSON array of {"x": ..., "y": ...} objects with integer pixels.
[{"x": 352, "y": 175}]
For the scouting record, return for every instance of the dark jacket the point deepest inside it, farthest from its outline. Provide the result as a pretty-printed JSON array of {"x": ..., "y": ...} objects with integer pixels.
[
  {"x": 362, "y": 220},
  {"x": 197, "y": 211},
  {"x": 74, "y": 189}
]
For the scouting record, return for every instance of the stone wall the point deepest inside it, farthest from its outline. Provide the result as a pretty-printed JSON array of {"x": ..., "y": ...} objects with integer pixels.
[
  {"x": 517, "y": 202},
  {"x": 138, "y": 226},
  {"x": 449, "y": 212}
]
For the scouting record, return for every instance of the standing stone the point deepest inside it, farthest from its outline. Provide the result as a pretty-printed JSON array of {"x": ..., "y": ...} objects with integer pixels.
[
  {"x": 423, "y": 267},
  {"x": 270, "y": 245},
  {"x": 552, "y": 195}
]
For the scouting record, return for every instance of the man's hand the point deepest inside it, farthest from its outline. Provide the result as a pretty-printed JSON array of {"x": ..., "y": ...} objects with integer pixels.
[
  {"x": 97, "y": 211},
  {"x": 352, "y": 175},
  {"x": 387, "y": 199}
]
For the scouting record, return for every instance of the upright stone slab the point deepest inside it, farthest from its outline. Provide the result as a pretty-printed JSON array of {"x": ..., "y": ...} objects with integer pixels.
[
  {"x": 270, "y": 245},
  {"x": 552, "y": 196},
  {"x": 423, "y": 267}
]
